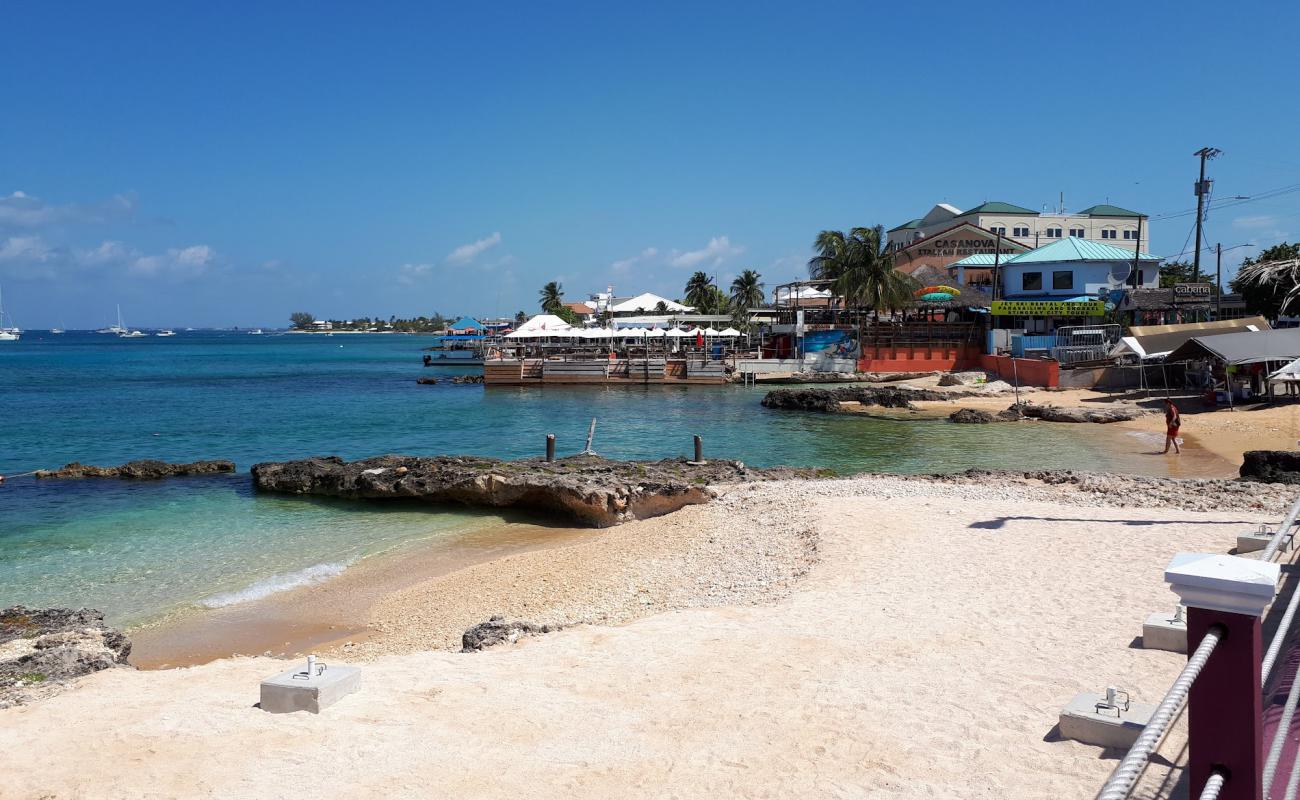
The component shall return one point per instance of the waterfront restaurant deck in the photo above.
(573, 368)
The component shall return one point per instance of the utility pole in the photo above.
(1202, 190)
(1218, 281)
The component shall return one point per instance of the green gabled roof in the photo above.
(1107, 210)
(1072, 248)
(995, 207)
(916, 223)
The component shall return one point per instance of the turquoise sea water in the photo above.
(140, 549)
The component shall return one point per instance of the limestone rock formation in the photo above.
(43, 649)
(497, 631)
(1050, 413)
(142, 469)
(1271, 466)
(586, 489)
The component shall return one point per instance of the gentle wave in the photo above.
(276, 583)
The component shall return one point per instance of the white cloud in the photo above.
(29, 249)
(186, 262)
(624, 264)
(718, 249)
(410, 274)
(22, 210)
(468, 252)
(108, 252)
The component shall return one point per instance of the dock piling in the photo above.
(550, 447)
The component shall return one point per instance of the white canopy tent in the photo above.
(729, 332)
(1288, 374)
(647, 302)
(541, 327)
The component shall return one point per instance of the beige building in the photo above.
(947, 234)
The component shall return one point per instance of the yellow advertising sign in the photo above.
(1047, 308)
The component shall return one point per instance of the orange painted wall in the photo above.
(1029, 371)
(919, 358)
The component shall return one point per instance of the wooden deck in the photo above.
(620, 371)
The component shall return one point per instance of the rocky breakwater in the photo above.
(144, 469)
(833, 400)
(41, 650)
(589, 490)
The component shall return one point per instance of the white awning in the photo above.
(729, 332)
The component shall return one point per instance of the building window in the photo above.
(1108, 233)
(1031, 282)
(1053, 233)
(1133, 235)
(1063, 279)
(1022, 233)
(1077, 232)
(1000, 230)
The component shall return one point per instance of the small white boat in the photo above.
(7, 334)
(56, 330)
(255, 332)
(165, 333)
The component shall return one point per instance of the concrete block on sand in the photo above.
(1162, 631)
(1082, 721)
(1250, 542)
(295, 690)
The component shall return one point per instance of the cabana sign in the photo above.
(1047, 308)
(1187, 291)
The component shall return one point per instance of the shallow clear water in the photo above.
(140, 549)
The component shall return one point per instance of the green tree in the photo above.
(1270, 283)
(661, 307)
(552, 295)
(301, 320)
(520, 319)
(860, 271)
(699, 291)
(747, 290)
(567, 314)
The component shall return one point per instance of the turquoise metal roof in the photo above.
(916, 223)
(465, 323)
(982, 260)
(1073, 248)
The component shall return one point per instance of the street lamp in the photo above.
(1218, 277)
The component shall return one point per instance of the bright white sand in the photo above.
(926, 654)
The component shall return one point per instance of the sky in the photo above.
(218, 164)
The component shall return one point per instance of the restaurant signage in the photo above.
(1047, 308)
(1190, 291)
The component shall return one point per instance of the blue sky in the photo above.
(227, 164)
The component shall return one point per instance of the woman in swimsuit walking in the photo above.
(1173, 421)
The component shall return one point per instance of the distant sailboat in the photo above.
(123, 332)
(7, 334)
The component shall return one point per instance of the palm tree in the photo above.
(661, 307)
(699, 291)
(746, 290)
(552, 297)
(859, 269)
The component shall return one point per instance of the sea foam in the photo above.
(276, 583)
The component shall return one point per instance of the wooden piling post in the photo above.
(550, 447)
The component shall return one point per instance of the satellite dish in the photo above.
(1117, 281)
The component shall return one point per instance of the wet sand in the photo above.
(336, 611)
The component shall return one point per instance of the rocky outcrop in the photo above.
(964, 378)
(971, 416)
(589, 490)
(144, 469)
(1050, 413)
(43, 649)
(1271, 466)
(831, 400)
(497, 631)
(467, 379)
(423, 381)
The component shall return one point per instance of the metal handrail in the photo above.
(1279, 636)
(1283, 531)
(1126, 774)
(1280, 736)
(1213, 785)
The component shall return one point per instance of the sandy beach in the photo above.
(844, 638)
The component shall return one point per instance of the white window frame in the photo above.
(1021, 232)
(1053, 233)
(1078, 233)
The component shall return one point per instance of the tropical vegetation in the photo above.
(747, 290)
(1270, 283)
(860, 271)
